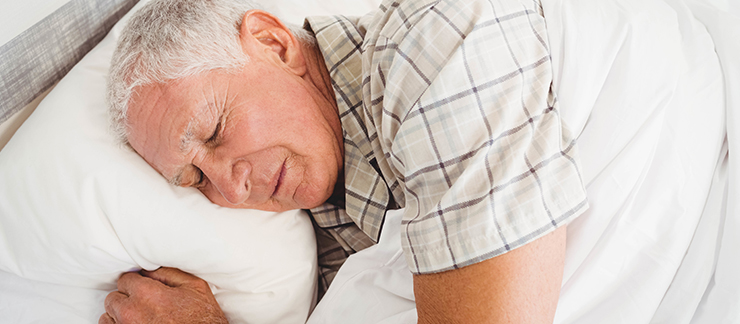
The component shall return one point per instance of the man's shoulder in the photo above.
(394, 16)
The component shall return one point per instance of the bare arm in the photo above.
(521, 286)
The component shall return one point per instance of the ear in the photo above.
(264, 35)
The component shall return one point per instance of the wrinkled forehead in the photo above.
(161, 120)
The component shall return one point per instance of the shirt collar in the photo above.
(367, 196)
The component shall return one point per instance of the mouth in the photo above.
(281, 177)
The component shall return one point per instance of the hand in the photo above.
(166, 295)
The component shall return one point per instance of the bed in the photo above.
(651, 86)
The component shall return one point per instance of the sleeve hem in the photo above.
(494, 250)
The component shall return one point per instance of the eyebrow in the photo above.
(177, 179)
(185, 141)
(187, 137)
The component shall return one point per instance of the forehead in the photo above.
(160, 117)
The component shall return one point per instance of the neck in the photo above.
(318, 74)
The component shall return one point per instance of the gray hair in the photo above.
(172, 39)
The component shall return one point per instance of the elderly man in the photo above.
(442, 108)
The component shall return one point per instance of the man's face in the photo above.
(258, 139)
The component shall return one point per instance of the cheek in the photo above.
(319, 185)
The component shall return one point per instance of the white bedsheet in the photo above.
(644, 84)
(721, 301)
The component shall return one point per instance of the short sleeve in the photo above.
(472, 128)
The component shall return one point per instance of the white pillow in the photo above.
(78, 210)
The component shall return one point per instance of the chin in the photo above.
(311, 197)
(311, 202)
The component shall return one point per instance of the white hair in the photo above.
(172, 39)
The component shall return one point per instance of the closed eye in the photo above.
(214, 137)
(191, 176)
(201, 182)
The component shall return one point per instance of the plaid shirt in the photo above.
(448, 111)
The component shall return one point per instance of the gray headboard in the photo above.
(40, 56)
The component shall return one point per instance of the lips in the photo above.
(281, 177)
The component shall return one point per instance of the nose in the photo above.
(230, 178)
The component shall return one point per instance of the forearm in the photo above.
(521, 286)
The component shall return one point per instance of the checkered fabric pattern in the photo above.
(448, 111)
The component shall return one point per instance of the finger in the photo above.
(113, 303)
(174, 277)
(106, 319)
(129, 282)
